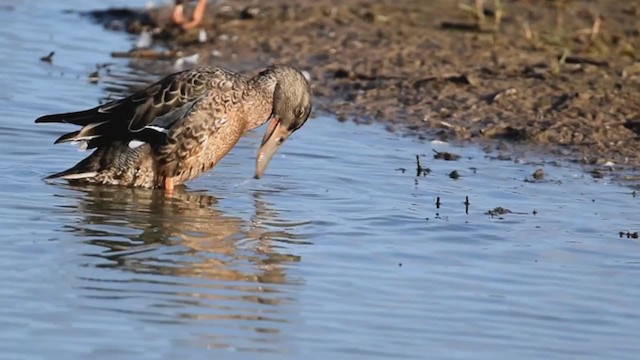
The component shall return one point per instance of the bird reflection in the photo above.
(228, 259)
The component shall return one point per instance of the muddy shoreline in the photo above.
(562, 77)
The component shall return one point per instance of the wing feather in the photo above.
(160, 105)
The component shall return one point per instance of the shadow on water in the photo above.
(200, 262)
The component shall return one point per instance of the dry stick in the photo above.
(418, 166)
(527, 30)
(48, 58)
(592, 31)
(596, 27)
(498, 15)
(480, 13)
(559, 7)
(556, 67)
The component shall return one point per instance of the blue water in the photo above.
(335, 253)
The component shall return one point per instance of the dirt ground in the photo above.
(560, 76)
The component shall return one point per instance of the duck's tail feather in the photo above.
(73, 176)
(88, 132)
(67, 137)
(81, 118)
(86, 168)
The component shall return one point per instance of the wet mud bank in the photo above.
(561, 76)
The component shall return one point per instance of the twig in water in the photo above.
(48, 58)
(421, 171)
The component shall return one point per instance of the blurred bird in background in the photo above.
(177, 15)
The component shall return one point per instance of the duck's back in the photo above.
(132, 132)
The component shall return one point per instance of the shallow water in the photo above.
(336, 252)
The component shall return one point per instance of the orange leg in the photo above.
(198, 14)
(168, 184)
(177, 15)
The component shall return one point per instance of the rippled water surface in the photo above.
(336, 253)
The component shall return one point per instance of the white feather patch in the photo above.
(94, 125)
(81, 138)
(133, 144)
(157, 128)
(163, 123)
(79, 176)
(82, 145)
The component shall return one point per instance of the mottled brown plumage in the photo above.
(181, 126)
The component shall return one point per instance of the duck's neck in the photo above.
(260, 101)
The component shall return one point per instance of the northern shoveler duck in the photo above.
(181, 126)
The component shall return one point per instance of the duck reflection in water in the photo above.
(225, 259)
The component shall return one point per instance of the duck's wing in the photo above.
(144, 115)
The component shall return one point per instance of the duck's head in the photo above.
(291, 108)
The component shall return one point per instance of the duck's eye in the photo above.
(301, 115)
(300, 112)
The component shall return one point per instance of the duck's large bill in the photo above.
(275, 135)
